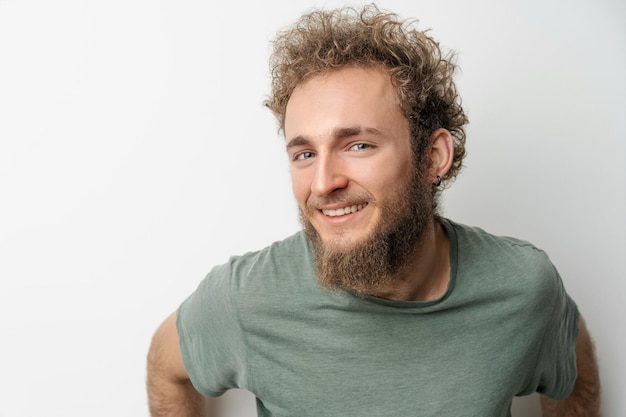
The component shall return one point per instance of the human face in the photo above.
(349, 146)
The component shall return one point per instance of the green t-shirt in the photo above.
(504, 327)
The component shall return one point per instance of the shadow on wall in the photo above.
(240, 403)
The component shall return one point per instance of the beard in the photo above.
(371, 265)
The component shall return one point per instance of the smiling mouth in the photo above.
(344, 210)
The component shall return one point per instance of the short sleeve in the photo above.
(210, 335)
(555, 373)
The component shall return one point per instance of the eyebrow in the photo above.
(297, 141)
(339, 133)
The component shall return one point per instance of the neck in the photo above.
(426, 275)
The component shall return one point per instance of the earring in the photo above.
(438, 183)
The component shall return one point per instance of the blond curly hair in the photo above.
(324, 40)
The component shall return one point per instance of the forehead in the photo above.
(348, 96)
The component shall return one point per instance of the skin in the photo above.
(584, 401)
(349, 145)
(170, 392)
(346, 136)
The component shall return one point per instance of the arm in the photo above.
(584, 400)
(170, 392)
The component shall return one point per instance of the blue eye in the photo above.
(304, 155)
(360, 146)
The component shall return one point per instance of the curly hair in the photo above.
(324, 40)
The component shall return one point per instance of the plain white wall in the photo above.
(135, 154)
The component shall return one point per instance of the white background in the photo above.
(135, 154)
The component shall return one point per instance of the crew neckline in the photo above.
(453, 239)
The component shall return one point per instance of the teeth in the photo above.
(343, 210)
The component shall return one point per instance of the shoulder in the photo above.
(255, 276)
(508, 262)
(282, 261)
(476, 242)
(286, 254)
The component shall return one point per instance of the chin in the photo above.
(342, 240)
(343, 243)
(337, 240)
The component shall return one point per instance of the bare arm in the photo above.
(584, 401)
(170, 392)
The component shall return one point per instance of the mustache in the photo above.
(357, 197)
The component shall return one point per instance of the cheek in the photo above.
(300, 188)
(390, 175)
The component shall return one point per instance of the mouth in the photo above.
(344, 210)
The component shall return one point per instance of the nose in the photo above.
(329, 175)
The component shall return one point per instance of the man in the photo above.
(381, 306)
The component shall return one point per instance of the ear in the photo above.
(440, 154)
